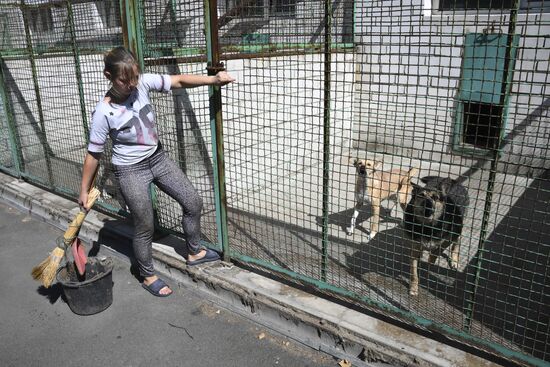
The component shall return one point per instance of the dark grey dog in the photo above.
(434, 219)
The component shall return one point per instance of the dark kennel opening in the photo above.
(482, 124)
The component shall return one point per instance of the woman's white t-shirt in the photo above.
(131, 124)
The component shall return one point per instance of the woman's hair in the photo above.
(120, 63)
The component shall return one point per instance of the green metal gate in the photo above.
(456, 89)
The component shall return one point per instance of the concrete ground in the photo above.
(186, 329)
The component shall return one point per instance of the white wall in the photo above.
(410, 61)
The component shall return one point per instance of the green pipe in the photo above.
(43, 139)
(134, 32)
(13, 136)
(326, 137)
(216, 123)
(471, 288)
(50, 53)
(188, 54)
(78, 71)
(6, 36)
(173, 21)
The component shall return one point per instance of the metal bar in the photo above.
(216, 123)
(78, 70)
(172, 7)
(124, 23)
(133, 40)
(15, 143)
(50, 53)
(496, 149)
(49, 3)
(43, 139)
(6, 35)
(196, 54)
(133, 24)
(326, 137)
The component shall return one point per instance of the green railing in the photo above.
(453, 88)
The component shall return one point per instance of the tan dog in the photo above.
(374, 186)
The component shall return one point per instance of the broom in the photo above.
(46, 270)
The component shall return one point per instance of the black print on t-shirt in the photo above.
(146, 132)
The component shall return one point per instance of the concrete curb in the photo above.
(311, 320)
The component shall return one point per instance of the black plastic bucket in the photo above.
(92, 294)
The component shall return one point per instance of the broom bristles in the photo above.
(39, 269)
(48, 274)
(47, 269)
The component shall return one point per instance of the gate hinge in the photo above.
(213, 70)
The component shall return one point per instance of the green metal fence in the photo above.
(454, 88)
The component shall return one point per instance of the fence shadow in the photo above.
(513, 290)
(342, 219)
(514, 283)
(110, 237)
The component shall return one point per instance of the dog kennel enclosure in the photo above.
(456, 88)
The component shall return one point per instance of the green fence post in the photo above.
(326, 135)
(131, 18)
(43, 139)
(471, 289)
(173, 20)
(78, 70)
(133, 39)
(13, 136)
(216, 123)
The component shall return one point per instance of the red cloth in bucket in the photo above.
(79, 256)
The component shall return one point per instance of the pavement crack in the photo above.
(184, 329)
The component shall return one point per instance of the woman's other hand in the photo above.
(223, 78)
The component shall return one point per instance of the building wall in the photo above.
(407, 60)
(409, 69)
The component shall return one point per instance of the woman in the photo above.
(126, 115)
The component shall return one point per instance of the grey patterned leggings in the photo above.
(135, 183)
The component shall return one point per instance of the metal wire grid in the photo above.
(175, 43)
(6, 151)
(397, 95)
(273, 120)
(401, 92)
(51, 56)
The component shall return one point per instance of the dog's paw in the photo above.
(372, 234)
(349, 231)
(413, 291)
(453, 264)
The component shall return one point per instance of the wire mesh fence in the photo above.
(345, 123)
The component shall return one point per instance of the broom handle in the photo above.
(71, 232)
(74, 227)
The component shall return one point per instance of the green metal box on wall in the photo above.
(483, 68)
(484, 72)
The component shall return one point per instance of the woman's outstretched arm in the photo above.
(190, 80)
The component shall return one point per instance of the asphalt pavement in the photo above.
(186, 329)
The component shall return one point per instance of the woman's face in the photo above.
(124, 84)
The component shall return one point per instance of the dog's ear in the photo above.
(416, 187)
(413, 172)
(371, 164)
(404, 194)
